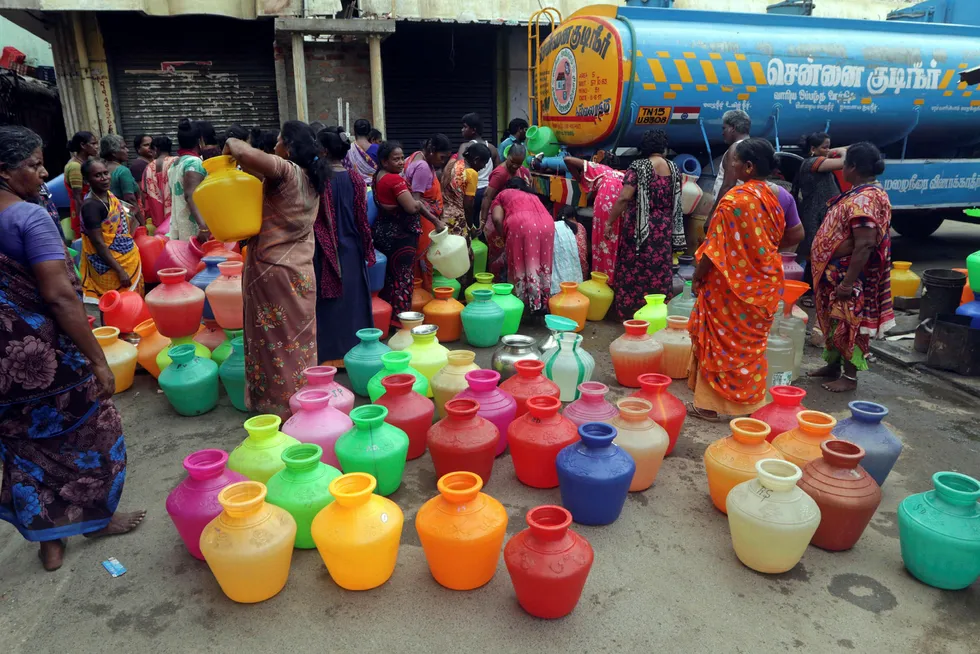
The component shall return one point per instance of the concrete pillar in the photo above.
(91, 113)
(282, 89)
(377, 85)
(299, 78)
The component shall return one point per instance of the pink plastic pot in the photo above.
(592, 406)
(497, 406)
(181, 254)
(194, 503)
(321, 378)
(319, 423)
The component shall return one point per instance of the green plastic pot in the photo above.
(374, 447)
(479, 256)
(395, 363)
(483, 319)
(302, 488)
(224, 349)
(513, 306)
(232, 374)
(190, 382)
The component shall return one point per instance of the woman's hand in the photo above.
(844, 291)
(124, 281)
(105, 379)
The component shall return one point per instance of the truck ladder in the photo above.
(534, 28)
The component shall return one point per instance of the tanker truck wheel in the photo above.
(917, 224)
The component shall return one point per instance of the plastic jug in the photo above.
(568, 366)
(120, 355)
(548, 563)
(682, 305)
(642, 438)
(654, 312)
(176, 306)
(259, 456)
(318, 422)
(224, 294)
(428, 355)
(230, 200)
(483, 319)
(536, 439)
(463, 440)
(528, 383)
(302, 488)
(150, 345)
(570, 303)
(676, 342)
(793, 328)
(249, 546)
(191, 383)
(635, 353)
(731, 461)
(123, 310)
(449, 254)
(375, 447)
(462, 532)
(779, 358)
(194, 502)
(443, 312)
(408, 411)
(496, 405)
(905, 283)
(513, 306)
(770, 519)
(599, 294)
(358, 533)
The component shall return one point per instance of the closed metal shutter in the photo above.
(435, 73)
(202, 67)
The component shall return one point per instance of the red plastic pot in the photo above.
(535, 440)
(529, 382)
(407, 410)
(667, 411)
(150, 248)
(123, 310)
(381, 312)
(846, 494)
(176, 305)
(217, 249)
(780, 414)
(548, 563)
(463, 441)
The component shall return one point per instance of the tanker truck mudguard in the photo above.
(607, 74)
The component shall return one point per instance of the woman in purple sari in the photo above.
(61, 438)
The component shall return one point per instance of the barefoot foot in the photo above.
(52, 554)
(842, 385)
(829, 370)
(119, 524)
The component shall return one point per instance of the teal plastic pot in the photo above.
(396, 363)
(302, 488)
(513, 306)
(190, 382)
(483, 319)
(939, 532)
(375, 447)
(232, 374)
(363, 361)
(222, 351)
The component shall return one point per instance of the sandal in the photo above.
(696, 413)
(807, 302)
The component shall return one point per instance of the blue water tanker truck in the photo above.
(606, 74)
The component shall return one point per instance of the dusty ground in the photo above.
(665, 574)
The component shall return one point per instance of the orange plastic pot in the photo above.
(420, 296)
(730, 461)
(444, 312)
(462, 532)
(151, 344)
(570, 303)
(802, 445)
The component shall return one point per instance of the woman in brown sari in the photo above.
(279, 285)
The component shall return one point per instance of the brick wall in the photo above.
(333, 70)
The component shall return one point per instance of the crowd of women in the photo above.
(306, 290)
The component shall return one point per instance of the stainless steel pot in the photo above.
(513, 348)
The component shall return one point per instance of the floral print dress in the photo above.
(606, 183)
(279, 289)
(645, 269)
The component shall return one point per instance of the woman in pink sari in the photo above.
(156, 189)
(605, 184)
(527, 231)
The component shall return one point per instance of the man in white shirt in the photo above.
(735, 126)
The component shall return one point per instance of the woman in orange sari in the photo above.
(738, 282)
(851, 260)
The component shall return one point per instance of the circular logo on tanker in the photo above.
(563, 81)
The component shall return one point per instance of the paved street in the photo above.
(665, 573)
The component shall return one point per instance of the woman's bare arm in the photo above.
(625, 196)
(252, 159)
